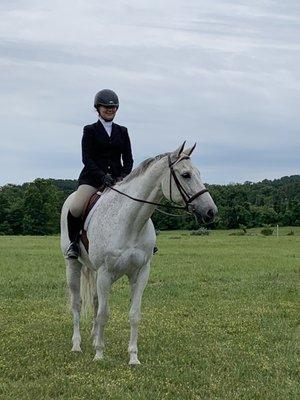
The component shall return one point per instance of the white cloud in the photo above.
(221, 73)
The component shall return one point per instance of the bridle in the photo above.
(185, 196)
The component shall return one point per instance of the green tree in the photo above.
(41, 208)
(11, 210)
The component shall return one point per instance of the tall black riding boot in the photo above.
(74, 228)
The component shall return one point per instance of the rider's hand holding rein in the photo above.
(106, 155)
(108, 180)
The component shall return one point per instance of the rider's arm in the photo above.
(87, 145)
(126, 155)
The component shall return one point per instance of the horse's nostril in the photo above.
(210, 213)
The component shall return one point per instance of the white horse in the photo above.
(122, 237)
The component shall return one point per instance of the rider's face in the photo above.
(108, 113)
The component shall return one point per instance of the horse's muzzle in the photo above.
(206, 217)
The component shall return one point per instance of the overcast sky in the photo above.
(224, 74)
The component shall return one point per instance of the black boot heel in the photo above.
(73, 251)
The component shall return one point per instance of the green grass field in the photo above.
(220, 321)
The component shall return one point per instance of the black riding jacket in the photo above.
(102, 154)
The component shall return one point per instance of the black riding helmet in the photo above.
(106, 97)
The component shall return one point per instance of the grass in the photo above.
(220, 321)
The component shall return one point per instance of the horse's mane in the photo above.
(143, 166)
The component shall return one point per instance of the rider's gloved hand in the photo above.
(108, 180)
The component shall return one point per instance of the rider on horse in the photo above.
(104, 145)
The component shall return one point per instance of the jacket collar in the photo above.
(102, 129)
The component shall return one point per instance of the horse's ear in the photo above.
(176, 154)
(189, 151)
(178, 151)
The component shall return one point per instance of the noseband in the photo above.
(185, 196)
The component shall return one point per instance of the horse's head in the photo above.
(182, 184)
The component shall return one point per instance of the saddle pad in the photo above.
(89, 209)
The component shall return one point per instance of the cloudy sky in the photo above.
(224, 74)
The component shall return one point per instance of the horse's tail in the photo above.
(88, 289)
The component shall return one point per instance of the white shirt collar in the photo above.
(107, 125)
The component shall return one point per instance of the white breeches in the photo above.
(82, 194)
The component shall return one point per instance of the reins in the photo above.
(148, 202)
(185, 196)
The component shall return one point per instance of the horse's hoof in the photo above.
(76, 349)
(98, 357)
(134, 362)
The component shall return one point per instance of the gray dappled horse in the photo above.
(121, 238)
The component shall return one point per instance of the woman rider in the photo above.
(104, 144)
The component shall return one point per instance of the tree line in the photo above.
(34, 208)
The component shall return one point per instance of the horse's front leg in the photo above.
(103, 289)
(138, 283)
(73, 278)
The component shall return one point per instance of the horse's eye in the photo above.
(186, 175)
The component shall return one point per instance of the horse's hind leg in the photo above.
(95, 308)
(73, 278)
(103, 290)
(138, 284)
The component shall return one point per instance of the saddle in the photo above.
(87, 208)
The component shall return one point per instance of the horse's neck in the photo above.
(147, 187)
(148, 184)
